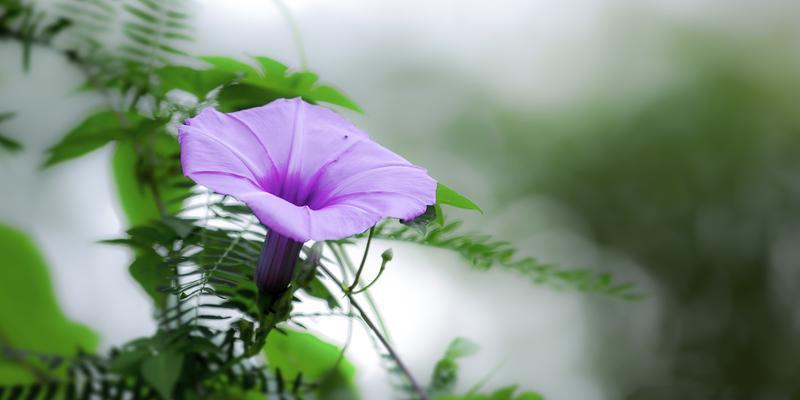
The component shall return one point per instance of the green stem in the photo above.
(370, 300)
(363, 261)
(364, 317)
(380, 272)
(298, 40)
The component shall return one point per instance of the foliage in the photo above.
(145, 174)
(95, 131)
(6, 142)
(484, 252)
(506, 393)
(25, 291)
(445, 195)
(194, 252)
(243, 86)
(445, 373)
(445, 377)
(89, 22)
(21, 21)
(298, 356)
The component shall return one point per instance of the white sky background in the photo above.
(535, 53)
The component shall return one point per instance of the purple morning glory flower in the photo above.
(305, 172)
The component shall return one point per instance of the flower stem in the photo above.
(363, 261)
(380, 272)
(414, 384)
(344, 260)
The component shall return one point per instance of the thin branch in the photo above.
(416, 386)
(342, 255)
(387, 256)
(363, 261)
(298, 40)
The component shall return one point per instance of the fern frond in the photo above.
(154, 32)
(90, 20)
(29, 25)
(484, 252)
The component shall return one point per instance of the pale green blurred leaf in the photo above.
(31, 317)
(5, 141)
(505, 393)
(230, 65)
(461, 347)
(299, 352)
(445, 374)
(92, 133)
(9, 144)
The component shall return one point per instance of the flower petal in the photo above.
(373, 178)
(302, 139)
(232, 141)
(212, 164)
(305, 171)
(301, 223)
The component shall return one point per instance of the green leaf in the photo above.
(297, 353)
(230, 65)
(420, 223)
(30, 315)
(147, 269)
(272, 67)
(485, 252)
(129, 362)
(317, 289)
(505, 393)
(141, 14)
(241, 96)
(136, 196)
(9, 144)
(461, 347)
(162, 372)
(529, 396)
(329, 94)
(5, 141)
(94, 132)
(137, 200)
(273, 81)
(194, 81)
(446, 195)
(445, 374)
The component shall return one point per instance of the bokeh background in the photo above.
(658, 140)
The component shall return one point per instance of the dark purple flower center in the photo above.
(276, 263)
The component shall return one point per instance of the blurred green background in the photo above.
(656, 140)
